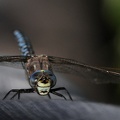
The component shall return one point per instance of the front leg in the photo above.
(60, 95)
(18, 92)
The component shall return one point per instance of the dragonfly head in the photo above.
(43, 85)
(42, 81)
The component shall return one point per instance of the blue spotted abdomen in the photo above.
(23, 43)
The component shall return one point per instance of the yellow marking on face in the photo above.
(42, 70)
(39, 83)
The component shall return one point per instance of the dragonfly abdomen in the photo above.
(23, 43)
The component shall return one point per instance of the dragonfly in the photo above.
(40, 69)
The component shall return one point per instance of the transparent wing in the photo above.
(17, 65)
(87, 72)
(13, 61)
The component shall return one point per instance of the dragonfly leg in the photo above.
(49, 96)
(62, 88)
(7, 94)
(58, 94)
(18, 92)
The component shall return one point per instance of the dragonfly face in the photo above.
(42, 81)
(43, 85)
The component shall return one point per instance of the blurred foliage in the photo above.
(111, 13)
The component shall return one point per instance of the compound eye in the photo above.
(50, 74)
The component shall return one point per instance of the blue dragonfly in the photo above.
(40, 70)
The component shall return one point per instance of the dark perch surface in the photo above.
(57, 110)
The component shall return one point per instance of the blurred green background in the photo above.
(111, 16)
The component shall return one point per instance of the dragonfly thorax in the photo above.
(35, 63)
